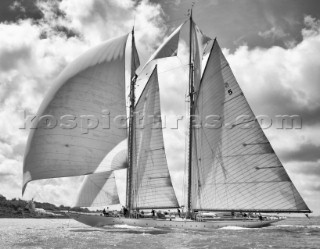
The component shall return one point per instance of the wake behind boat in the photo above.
(231, 165)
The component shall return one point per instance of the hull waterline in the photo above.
(101, 221)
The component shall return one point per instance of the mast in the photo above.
(191, 92)
(131, 123)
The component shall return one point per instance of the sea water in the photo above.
(65, 233)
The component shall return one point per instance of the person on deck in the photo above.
(179, 214)
(153, 212)
(125, 211)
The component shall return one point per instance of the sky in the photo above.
(272, 46)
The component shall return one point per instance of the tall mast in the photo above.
(131, 124)
(191, 92)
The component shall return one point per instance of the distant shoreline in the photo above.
(21, 209)
(34, 217)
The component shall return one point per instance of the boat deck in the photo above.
(101, 221)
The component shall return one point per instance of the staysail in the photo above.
(98, 190)
(234, 166)
(151, 182)
(70, 140)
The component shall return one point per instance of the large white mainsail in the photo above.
(151, 182)
(234, 166)
(93, 85)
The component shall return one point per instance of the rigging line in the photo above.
(93, 182)
(234, 97)
(257, 143)
(252, 193)
(270, 167)
(160, 72)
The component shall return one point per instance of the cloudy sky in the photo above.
(273, 47)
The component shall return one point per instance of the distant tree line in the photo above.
(16, 205)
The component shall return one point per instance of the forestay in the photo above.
(151, 182)
(91, 88)
(234, 166)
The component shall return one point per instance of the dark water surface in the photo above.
(54, 233)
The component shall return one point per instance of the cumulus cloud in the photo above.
(286, 79)
(274, 33)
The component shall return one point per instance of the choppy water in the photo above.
(54, 233)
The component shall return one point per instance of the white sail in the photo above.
(151, 181)
(234, 166)
(94, 86)
(98, 190)
(116, 159)
(169, 47)
(199, 42)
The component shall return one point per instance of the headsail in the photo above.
(152, 186)
(67, 149)
(116, 159)
(234, 166)
(98, 190)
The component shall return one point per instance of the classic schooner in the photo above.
(231, 164)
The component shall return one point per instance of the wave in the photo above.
(235, 228)
(300, 226)
(128, 227)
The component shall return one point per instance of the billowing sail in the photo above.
(98, 190)
(234, 166)
(151, 181)
(116, 159)
(70, 140)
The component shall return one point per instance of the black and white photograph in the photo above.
(160, 124)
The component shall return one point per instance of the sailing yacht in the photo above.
(231, 164)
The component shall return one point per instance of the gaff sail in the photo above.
(234, 166)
